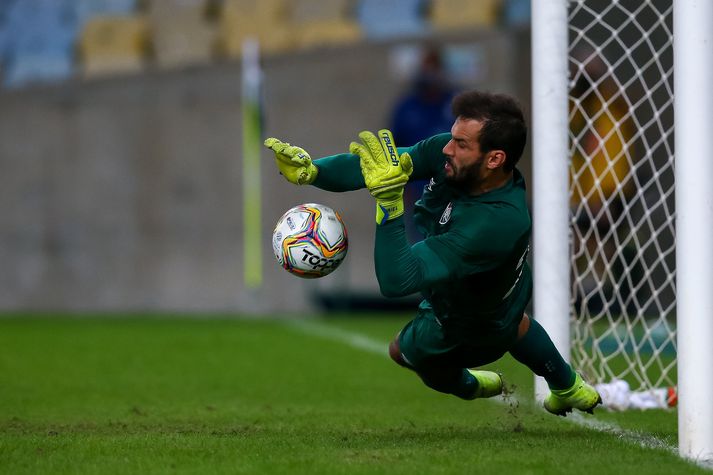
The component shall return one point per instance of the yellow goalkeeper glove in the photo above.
(294, 163)
(384, 172)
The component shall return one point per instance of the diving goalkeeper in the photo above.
(471, 268)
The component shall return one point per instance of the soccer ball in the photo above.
(310, 241)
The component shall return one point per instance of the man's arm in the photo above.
(402, 269)
(339, 173)
(342, 172)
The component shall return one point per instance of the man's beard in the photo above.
(466, 178)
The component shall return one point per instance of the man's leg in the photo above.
(461, 382)
(535, 349)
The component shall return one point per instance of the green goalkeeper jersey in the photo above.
(471, 267)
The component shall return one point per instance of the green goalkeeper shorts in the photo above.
(426, 343)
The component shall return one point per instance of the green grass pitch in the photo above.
(245, 396)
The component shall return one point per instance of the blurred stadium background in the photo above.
(122, 168)
(121, 138)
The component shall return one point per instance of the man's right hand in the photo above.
(294, 163)
(385, 172)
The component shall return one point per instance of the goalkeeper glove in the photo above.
(384, 172)
(294, 163)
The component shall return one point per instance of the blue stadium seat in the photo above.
(37, 37)
(87, 9)
(384, 19)
(4, 34)
(38, 41)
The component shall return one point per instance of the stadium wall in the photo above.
(123, 194)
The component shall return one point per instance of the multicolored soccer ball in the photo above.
(310, 240)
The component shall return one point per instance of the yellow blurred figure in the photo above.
(602, 129)
(602, 132)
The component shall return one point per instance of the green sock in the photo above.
(537, 352)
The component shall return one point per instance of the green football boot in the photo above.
(489, 383)
(580, 396)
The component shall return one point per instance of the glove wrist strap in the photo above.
(388, 210)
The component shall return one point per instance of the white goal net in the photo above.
(622, 191)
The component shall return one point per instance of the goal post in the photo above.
(622, 239)
(550, 175)
(693, 67)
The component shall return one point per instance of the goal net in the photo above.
(622, 191)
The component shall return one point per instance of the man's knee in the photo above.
(523, 327)
(395, 352)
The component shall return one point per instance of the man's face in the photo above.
(465, 164)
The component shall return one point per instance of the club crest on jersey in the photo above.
(446, 214)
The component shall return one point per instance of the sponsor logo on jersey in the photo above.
(386, 140)
(429, 187)
(446, 216)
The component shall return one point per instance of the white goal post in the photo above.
(623, 278)
(693, 104)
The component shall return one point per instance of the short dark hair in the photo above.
(504, 126)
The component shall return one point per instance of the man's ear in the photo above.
(495, 159)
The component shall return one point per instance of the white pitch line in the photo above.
(368, 344)
(643, 440)
(353, 339)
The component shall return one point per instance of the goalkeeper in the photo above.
(471, 268)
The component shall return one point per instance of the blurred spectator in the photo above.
(602, 131)
(423, 112)
(426, 109)
(516, 13)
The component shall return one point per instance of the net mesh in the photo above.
(621, 191)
